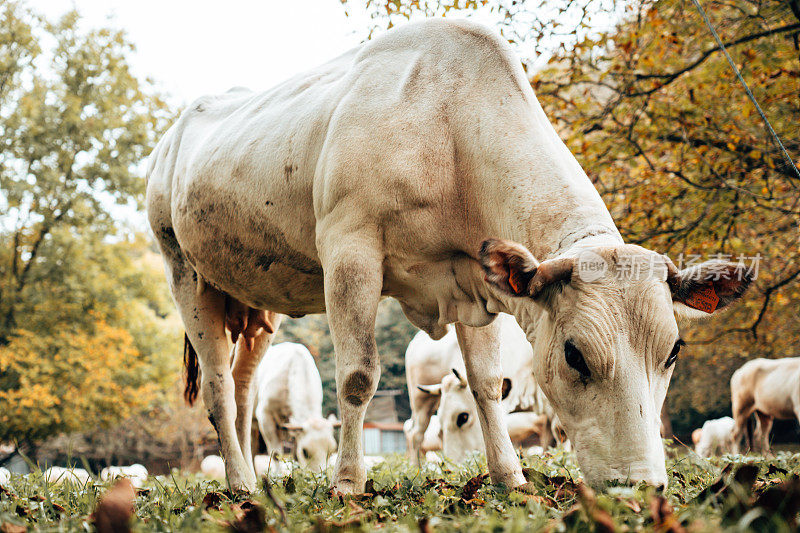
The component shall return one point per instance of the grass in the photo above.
(732, 493)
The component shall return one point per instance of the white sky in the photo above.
(192, 48)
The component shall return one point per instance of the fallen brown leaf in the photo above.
(603, 521)
(8, 527)
(212, 500)
(664, 519)
(250, 518)
(424, 526)
(115, 508)
(471, 487)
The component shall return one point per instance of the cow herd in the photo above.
(766, 388)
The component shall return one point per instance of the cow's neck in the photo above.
(553, 214)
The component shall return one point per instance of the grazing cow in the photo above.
(458, 416)
(57, 475)
(289, 405)
(431, 440)
(428, 361)
(136, 473)
(715, 438)
(770, 388)
(419, 166)
(697, 434)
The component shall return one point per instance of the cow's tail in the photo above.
(192, 366)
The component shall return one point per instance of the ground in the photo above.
(732, 493)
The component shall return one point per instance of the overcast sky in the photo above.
(195, 47)
(198, 47)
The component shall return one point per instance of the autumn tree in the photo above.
(82, 323)
(644, 97)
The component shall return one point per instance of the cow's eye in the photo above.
(462, 419)
(306, 454)
(575, 359)
(673, 356)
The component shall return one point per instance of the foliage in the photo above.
(646, 101)
(731, 494)
(83, 310)
(86, 378)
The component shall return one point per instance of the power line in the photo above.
(746, 88)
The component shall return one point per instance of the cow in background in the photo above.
(715, 437)
(429, 361)
(770, 388)
(289, 405)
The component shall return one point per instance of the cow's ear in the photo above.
(506, 388)
(508, 265)
(699, 291)
(433, 390)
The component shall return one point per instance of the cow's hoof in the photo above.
(245, 486)
(346, 487)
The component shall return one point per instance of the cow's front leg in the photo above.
(245, 362)
(480, 348)
(353, 281)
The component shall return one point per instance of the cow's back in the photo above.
(245, 181)
(288, 383)
(772, 384)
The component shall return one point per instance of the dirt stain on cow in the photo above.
(357, 388)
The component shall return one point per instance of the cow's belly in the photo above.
(260, 252)
(774, 394)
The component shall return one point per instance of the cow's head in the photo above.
(458, 415)
(315, 442)
(605, 340)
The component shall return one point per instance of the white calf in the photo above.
(429, 361)
(716, 437)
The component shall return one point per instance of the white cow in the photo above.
(431, 440)
(716, 437)
(136, 473)
(57, 475)
(458, 415)
(428, 361)
(289, 405)
(768, 388)
(420, 166)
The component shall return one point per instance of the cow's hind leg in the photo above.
(480, 347)
(764, 429)
(353, 280)
(245, 362)
(202, 309)
(742, 407)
